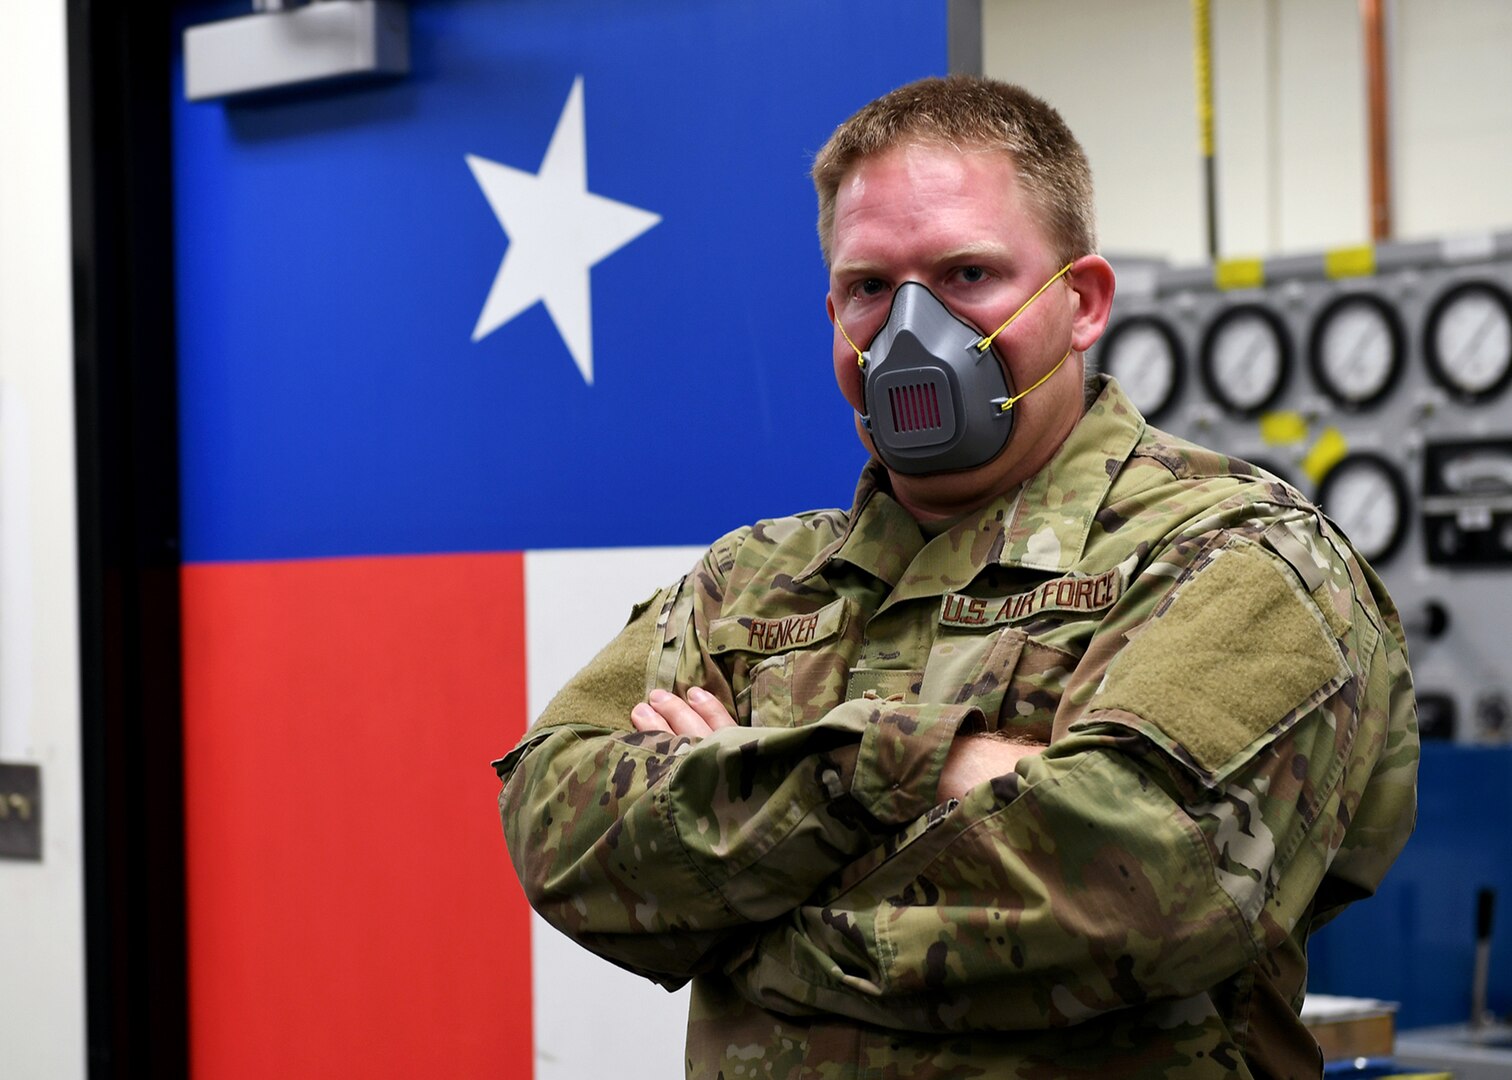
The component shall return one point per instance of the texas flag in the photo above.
(469, 363)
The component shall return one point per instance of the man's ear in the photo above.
(1092, 281)
(829, 307)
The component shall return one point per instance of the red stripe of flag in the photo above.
(351, 909)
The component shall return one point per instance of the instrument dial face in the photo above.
(1468, 340)
(1366, 495)
(1356, 350)
(1144, 354)
(1245, 358)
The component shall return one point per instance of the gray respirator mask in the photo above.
(938, 397)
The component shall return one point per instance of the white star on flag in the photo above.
(557, 231)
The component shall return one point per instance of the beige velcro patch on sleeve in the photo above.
(613, 683)
(1234, 659)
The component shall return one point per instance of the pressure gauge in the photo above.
(1245, 358)
(1367, 497)
(1144, 354)
(1356, 349)
(1468, 340)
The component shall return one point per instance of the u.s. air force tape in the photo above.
(1060, 594)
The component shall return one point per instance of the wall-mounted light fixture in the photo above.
(288, 43)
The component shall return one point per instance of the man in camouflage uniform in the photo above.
(1043, 768)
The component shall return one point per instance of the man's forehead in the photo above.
(937, 171)
(907, 180)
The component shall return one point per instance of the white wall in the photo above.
(1453, 115)
(1291, 110)
(569, 982)
(41, 904)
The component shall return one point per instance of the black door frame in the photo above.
(126, 438)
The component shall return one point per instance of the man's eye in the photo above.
(870, 287)
(972, 274)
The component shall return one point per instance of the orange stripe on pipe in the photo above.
(1380, 133)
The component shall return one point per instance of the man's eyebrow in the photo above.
(855, 268)
(968, 253)
(982, 252)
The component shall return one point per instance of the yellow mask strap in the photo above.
(1005, 406)
(986, 343)
(860, 359)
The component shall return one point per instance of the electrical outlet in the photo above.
(20, 811)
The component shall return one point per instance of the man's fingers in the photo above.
(710, 708)
(678, 714)
(645, 718)
(701, 714)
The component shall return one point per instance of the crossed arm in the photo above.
(815, 895)
(879, 864)
(1074, 886)
(970, 761)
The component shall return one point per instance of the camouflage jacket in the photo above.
(1231, 757)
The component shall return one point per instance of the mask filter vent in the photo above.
(915, 407)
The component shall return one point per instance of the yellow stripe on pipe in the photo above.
(1350, 262)
(1202, 46)
(1239, 273)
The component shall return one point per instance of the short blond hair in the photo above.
(968, 111)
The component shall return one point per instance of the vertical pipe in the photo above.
(1275, 196)
(963, 37)
(1202, 28)
(1375, 75)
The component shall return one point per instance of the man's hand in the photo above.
(975, 759)
(701, 714)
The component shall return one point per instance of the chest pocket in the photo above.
(789, 670)
(1015, 680)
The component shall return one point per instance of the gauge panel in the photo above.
(1356, 350)
(1408, 359)
(1467, 340)
(1245, 358)
(1366, 495)
(1145, 355)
